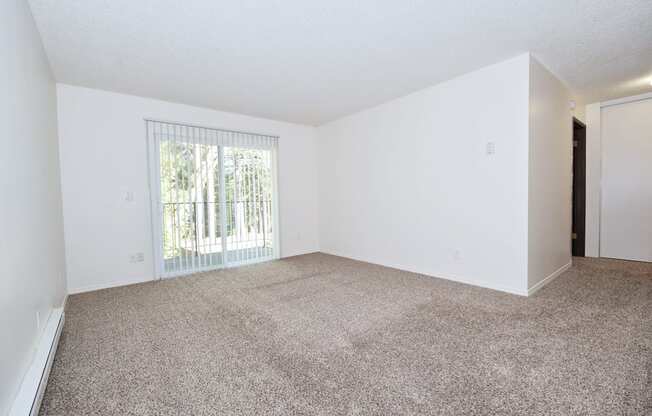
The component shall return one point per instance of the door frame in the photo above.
(156, 207)
(597, 126)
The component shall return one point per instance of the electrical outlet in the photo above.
(457, 255)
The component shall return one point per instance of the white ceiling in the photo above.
(314, 61)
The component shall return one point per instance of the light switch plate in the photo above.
(137, 258)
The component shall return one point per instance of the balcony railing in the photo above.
(196, 226)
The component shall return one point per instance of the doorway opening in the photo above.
(579, 188)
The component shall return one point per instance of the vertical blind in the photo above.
(213, 197)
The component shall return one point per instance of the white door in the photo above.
(626, 215)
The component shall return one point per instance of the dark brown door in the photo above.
(579, 187)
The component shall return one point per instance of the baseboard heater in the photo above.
(31, 391)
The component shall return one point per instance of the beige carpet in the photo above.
(322, 335)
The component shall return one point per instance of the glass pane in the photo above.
(248, 192)
(190, 189)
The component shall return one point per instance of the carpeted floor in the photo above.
(323, 335)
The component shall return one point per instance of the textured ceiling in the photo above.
(314, 61)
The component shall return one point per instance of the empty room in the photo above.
(326, 207)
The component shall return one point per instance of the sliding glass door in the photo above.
(213, 197)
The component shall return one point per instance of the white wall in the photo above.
(103, 155)
(408, 184)
(32, 277)
(579, 112)
(550, 176)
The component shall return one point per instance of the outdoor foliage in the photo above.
(191, 194)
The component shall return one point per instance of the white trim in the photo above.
(155, 197)
(91, 288)
(33, 386)
(625, 100)
(473, 282)
(549, 279)
(302, 253)
(593, 180)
